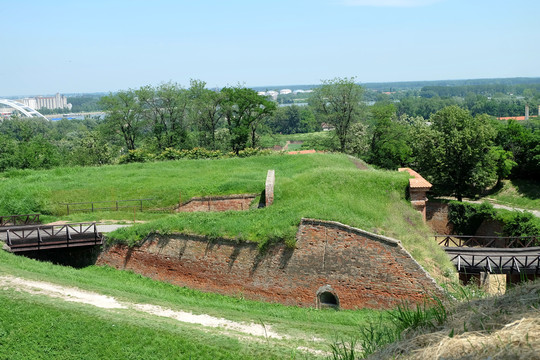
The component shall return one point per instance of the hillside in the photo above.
(56, 312)
(321, 186)
(495, 327)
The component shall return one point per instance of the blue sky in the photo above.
(91, 46)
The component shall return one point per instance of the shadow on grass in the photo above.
(527, 188)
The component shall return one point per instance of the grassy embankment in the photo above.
(322, 140)
(322, 186)
(36, 326)
(522, 194)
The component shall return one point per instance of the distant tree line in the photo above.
(461, 151)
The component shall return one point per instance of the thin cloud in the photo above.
(390, 3)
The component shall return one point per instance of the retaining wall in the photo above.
(218, 203)
(363, 270)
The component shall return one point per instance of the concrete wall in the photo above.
(218, 203)
(362, 269)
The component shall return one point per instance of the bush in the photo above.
(467, 218)
(519, 224)
(137, 155)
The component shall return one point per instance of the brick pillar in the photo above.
(418, 188)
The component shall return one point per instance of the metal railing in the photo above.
(116, 205)
(487, 241)
(53, 236)
(497, 264)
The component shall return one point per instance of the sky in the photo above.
(102, 46)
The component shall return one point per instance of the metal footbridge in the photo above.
(44, 237)
(494, 255)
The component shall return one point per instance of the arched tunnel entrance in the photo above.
(327, 298)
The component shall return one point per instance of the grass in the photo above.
(35, 326)
(492, 327)
(524, 194)
(322, 140)
(322, 186)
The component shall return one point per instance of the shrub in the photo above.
(137, 155)
(467, 218)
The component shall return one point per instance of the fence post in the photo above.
(141, 205)
(116, 205)
(92, 207)
(8, 238)
(67, 208)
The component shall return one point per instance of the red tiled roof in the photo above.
(418, 182)
(512, 118)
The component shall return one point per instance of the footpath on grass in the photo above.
(224, 326)
(495, 205)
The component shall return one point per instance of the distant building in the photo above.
(285, 91)
(48, 102)
(327, 127)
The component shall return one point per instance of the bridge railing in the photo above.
(14, 220)
(113, 205)
(48, 235)
(497, 264)
(487, 241)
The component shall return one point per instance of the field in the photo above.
(322, 186)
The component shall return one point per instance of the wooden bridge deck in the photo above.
(44, 237)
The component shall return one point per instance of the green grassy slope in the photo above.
(323, 186)
(35, 326)
(518, 193)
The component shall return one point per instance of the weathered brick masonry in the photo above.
(362, 269)
(218, 203)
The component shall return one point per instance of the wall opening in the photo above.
(327, 298)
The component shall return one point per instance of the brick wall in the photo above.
(218, 203)
(437, 217)
(362, 269)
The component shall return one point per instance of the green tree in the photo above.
(390, 144)
(165, 107)
(244, 110)
(206, 112)
(338, 102)
(123, 116)
(455, 152)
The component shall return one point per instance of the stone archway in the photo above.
(327, 298)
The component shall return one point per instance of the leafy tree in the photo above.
(504, 161)
(390, 143)
(91, 149)
(338, 102)
(165, 107)
(206, 112)
(8, 152)
(524, 144)
(38, 153)
(454, 152)
(124, 116)
(244, 110)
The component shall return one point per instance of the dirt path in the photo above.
(72, 294)
(108, 302)
(286, 147)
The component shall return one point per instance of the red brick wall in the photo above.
(363, 269)
(218, 203)
(437, 217)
